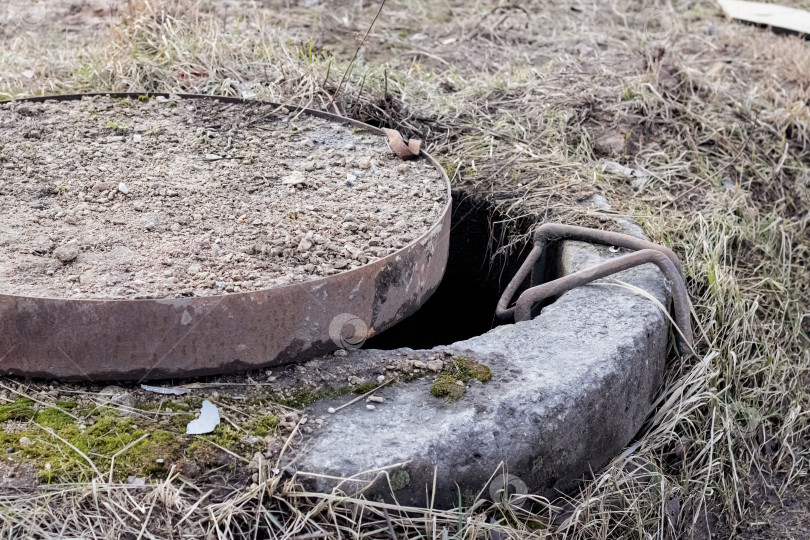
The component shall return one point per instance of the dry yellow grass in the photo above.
(523, 105)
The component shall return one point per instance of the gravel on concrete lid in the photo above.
(171, 197)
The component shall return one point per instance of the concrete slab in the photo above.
(569, 390)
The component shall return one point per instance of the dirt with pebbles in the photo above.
(171, 197)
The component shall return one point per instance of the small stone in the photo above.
(256, 462)
(10, 450)
(136, 138)
(138, 206)
(331, 410)
(364, 163)
(150, 226)
(350, 179)
(381, 379)
(159, 460)
(25, 441)
(122, 187)
(375, 399)
(435, 365)
(305, 245)
(419, 364)
(370, 407)
(293, 179)
(341, 352)
(212, 157)
(41, 244)
(67, 252)
(115, 139)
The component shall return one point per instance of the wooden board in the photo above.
(786, 18)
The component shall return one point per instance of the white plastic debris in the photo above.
(136, 481)
(207, 422)
(174, 391)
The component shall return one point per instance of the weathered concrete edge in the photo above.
(570, 389)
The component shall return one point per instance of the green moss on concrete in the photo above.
(400, 479)
(466, 369)
(452, 382)
(364, 388)
(447, 386)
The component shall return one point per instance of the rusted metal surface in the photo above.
(74, 339)
(647, 252)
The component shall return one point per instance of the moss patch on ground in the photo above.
(21, 409)
(452, 382)
(263, 426)
(54, 444)
(53, 418)
(60, 442)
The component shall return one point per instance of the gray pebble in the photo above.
(67, 252)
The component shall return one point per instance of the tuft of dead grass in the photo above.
(523, 106)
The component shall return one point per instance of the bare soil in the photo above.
(154, 198)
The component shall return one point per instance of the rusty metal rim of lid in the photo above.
(231, 99)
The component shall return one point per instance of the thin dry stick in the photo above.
(357, 51)
(234, 454)
(40, 402)
(90, 461)
(358, 398)
(193, 507)
(124, 449)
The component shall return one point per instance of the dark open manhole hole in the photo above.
(479, 266)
